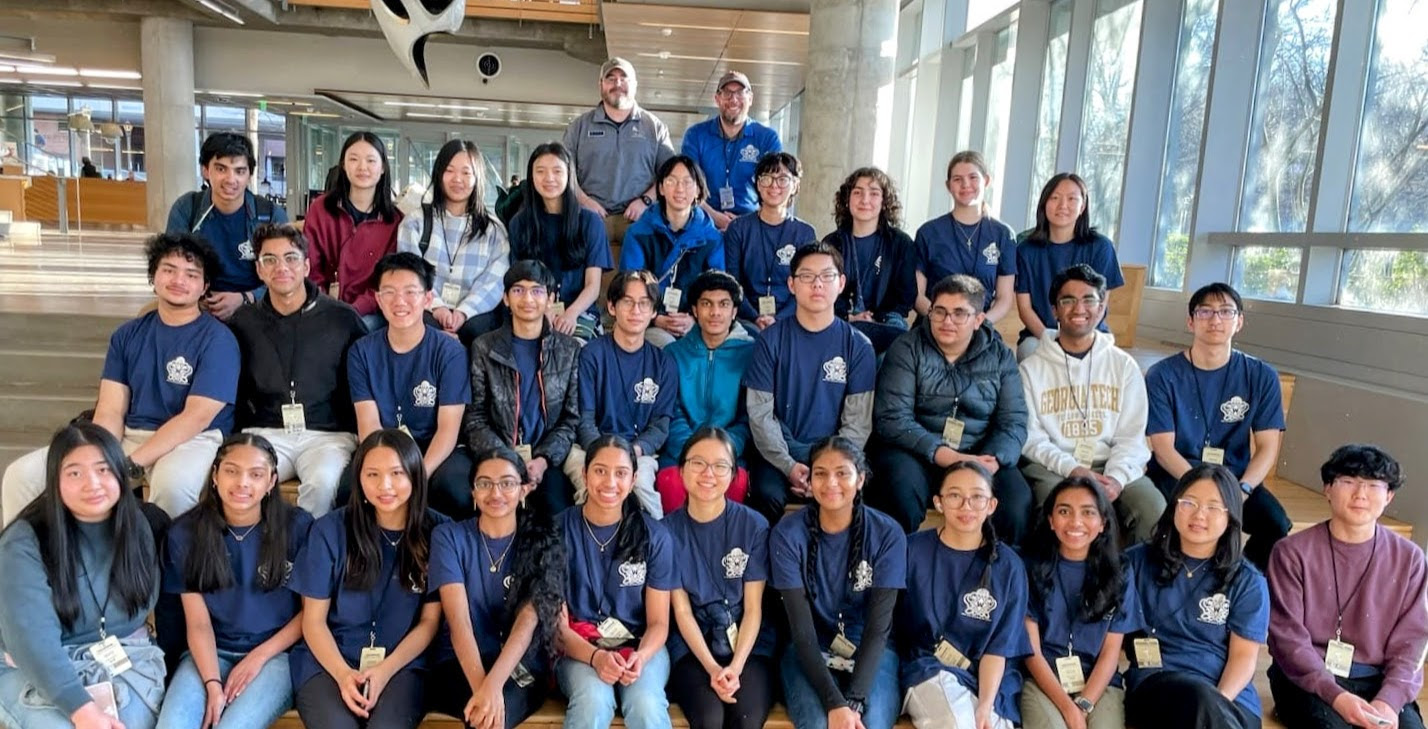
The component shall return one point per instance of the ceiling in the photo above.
(434, 109)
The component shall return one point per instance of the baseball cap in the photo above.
(734, 76)
(620, 63)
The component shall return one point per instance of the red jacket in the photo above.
(346, 253)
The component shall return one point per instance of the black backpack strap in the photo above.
(194, 199)
(426, 221)
(264, 207)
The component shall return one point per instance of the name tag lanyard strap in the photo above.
(291, 361)
(948, 615)
(1206, 411)
(1072, 610)
(540, 385)
(1075, 399)
(386, 585)
(855, 266)
(707, 566)
(1160, 598)
(600, 578)
(771, 252)
(103, 607)
(1333, 560)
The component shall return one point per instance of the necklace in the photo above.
(496, 563)
(1190, 571)
(598, 543)
(390, 542)
(244, 535)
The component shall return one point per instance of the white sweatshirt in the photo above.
(1062, 409)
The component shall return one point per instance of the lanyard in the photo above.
(1075, 399)
(599, 577)
(1160, 596)
(382, 589)
(290, 362)
(103, 607)
(1206, 411)
(540, 385)
(1333, 560)
(448, 250)
(948, 613)
(771, 252)
(706, 565)
(855, 266)
(1072, 612)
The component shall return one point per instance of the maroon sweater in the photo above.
(348, 253)
(1386, 620)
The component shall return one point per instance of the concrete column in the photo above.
(850, 57)
(250, 130)
(171, 157)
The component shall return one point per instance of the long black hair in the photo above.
(476, 204)
(571, 247)
(538, 570)
(206, 567)
(383, 203)
(988, 550)
(632, 543)
(364, 552)
(134, 575)
(857, 547)
(1105, 585)
(1165, 541)
(1041, 234)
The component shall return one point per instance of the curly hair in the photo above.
(891, 214)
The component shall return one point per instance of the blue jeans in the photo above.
(591, 702)
(22, 709)
(266, 698)
(804, 708)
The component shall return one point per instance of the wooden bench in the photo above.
(1121, 317)
(552, 714)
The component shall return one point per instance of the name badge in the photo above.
(1085, 452)
(294, 421)
(371, 657)
(1147, 652)
(842, 647)
(522, 675)
(595, 133)
(952, 432)
(672, 299)
(726, 197)
(111, 656)
(1069, 673)
(613, 633)
(404, 429)
(949, 656)
(557, 307)
(451, 294)
(524, 451)
(838, 663)
(768, 306)
(1339, 658)
(732, 633)
(102, 694)
(1213, 455)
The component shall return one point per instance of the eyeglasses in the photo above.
(775, 180)
(1227, 313)
(807, 277)
(506, 485)
(641, 305)
(711, 305)
(411, 294)
(722, 469)
(940, 314)
(1090, 302)
(291, 260)
(976, 501)
(1191, 506)
(732, 93)
(521, 291)
(686, 183)
(1354, 484)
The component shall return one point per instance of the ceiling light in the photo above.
(7, 69)
(458, 107)
(49, 82)
(115, 87)
(722, 28)
(665, 55)
(315, 113)
(10, 81)
(107, 73)
(244, 94)
(412, 104)
(666, 32)
(221, 10)
(48, 70)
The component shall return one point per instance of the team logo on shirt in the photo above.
(506, 583)
(424, 395)
(749, 154)
(734, 563)
(979, 604)
(992, 254)
(287, 572)
(835, 370)
(632, 574)
(785, 254)
(245, 251)
(179, 370)
(646, 391)
(1215, 609)
(878, 264)
(1233, 410)
(862, 576)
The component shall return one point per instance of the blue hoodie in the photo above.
(650, 245)
(709, 382)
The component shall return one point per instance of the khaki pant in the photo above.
(941, 702)
(315, 458)
(1038, 712)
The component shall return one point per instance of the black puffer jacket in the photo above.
(918, 390)
(490, 421)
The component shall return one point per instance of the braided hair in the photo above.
(856, 547)
(632, 543)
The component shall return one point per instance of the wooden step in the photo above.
(552, 714)
(1307, 507)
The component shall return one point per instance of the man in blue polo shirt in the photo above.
(812, 376)
(628, 387)
(727, 147)
(225, 214)
(412, 376)
(1208, 403)
(167, 390)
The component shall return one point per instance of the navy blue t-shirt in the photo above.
(527, 354)
(809, 374)
(394, 605)
(237, 259)
(243, 615)
(598, 587)
(569, 281)
(1038, 263)
(459, 557)
(409, 387)
(983, 251)
(162, 365)
(978, 607)
(837, 595)
(1234, 401)
(714, 560)
(1194, 617)
(626, 390)
(1059, 618)
(758, 255)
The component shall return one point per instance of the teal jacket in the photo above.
(709, 394)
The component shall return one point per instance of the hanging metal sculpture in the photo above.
(407, 24)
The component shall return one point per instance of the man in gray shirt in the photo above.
(617, 146)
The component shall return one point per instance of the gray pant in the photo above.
(1037, 711)
(315, 458)
(1138, 507)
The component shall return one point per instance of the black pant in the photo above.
(1168, 700)
(400, 706)
(880, 335)
(449, 693)
(554, 494)
(1264, 519)
(903, 484)
(689, 687)
(769, 489)
(448, 490)
(1298, 708)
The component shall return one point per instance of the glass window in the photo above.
(1284, 138)
(1105, 121)
(1264, 272)
(1391, 179)
(1053, 87)
(999, 106)
(1182, 143)
(964, 104)
(1385, 281)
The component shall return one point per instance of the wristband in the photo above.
(593, 653)
(646, 200)
(207, 681)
